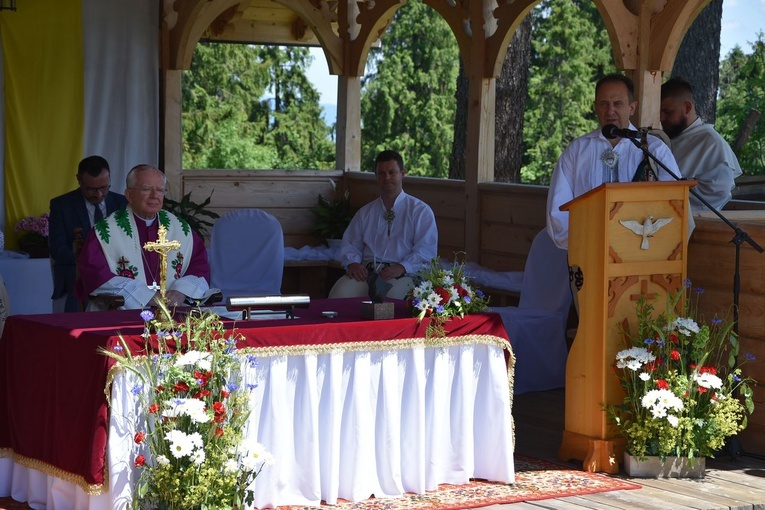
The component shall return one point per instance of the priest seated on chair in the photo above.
(113, 258)
(389, 239)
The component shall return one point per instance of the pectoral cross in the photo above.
(162, 246)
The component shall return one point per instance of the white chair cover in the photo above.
(247, 254)
(537, 326)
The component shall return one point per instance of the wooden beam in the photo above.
(348, 123)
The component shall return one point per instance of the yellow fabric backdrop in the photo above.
(44, 105)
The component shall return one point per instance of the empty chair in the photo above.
(247, 254)
(537, 326)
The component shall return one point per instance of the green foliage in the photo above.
(191, 212)
(570, 50)
(332, 217)
(227, 123)
(742, 88)
(408, 101)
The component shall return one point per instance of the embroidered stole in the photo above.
(118, 235)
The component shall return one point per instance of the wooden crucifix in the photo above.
(162, 246)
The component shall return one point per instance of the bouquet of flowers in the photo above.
(444, 293)
(685, 392)
(34, 234)
(193, 392)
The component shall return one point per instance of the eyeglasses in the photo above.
(147, 190)
(103, 189)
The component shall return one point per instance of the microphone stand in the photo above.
(740, 236)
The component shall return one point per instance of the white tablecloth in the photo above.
(341, 424)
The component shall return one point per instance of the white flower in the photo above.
(644, 376)
(180, 444)
(197, 358)
(433, 300)
(659, 401)
(634, 365)
(162, 460)
(198, 457)
(672, 419)
(448, 279)
(191, 407)
(230, 466)
(255, 456)
(707, 380)
(686, 326)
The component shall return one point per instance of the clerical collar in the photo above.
(148, 223)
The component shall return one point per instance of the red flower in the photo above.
(702, 389)
(708, 370)
(202, 394)
(218, 432)
(650, 366)
(153, 408)
(662, 384)
(673, 338)
(140, 461)
(461, 292)
(443, 294)
(224, 393)
(160, 388)
(220, 412)
(139, 437)
(675, 355)
(692, 366)
(180, 386)
(127, 273)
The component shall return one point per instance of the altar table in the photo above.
(348, 408)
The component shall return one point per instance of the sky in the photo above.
(741, 21)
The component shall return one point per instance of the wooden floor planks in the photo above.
(738, 485)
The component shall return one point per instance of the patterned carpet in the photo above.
(534, 480)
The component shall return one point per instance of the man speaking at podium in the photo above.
(604, 155)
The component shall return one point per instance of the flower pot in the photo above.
(671, 467)
(35, 250)
(334, 243)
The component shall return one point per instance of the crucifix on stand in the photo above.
(162, 246)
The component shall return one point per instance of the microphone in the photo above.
(610, 131)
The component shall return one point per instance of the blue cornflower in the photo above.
(252, 386)
(660, 342)
(136, 390)
(698, 290)
(147, 315)
(467, 300)
(118, 348)
(648, 341)
(736, 378)
(252, 360)
(749, 356)
(716, 320)
(232, 386)
(440, 309)
(687, 283)
(416, 302)
(479, 293)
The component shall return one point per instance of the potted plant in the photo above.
(684, 389)
(34, 235)
(332, 218)
(192, 212)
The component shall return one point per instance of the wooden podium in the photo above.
(616, 266)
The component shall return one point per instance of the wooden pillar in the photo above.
(648, 95)
(479, 155)
(348, 141)
(173, 147)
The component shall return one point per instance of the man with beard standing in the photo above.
(701, 153)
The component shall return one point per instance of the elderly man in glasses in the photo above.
(80, 208)
(114, 261)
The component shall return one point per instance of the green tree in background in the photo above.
(570, 50)
(407, 101)
(742, 88)
(228, 124)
